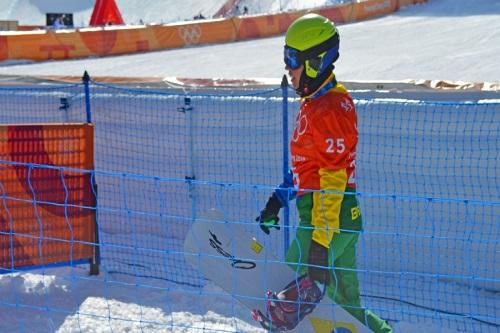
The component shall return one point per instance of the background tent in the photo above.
(105, 13)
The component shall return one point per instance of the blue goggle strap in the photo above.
(294, 58)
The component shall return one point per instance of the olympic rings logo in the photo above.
(300, 128)
(190, 34)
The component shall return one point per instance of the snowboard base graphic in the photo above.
(234, 257)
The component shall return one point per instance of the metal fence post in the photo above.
(286, 211)
(187, 109)
(86, 80)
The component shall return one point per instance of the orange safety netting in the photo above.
(47, 200)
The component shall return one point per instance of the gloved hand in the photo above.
(268, 217)
(318, 256)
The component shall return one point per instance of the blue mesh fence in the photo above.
(63, 103)
(427, 173)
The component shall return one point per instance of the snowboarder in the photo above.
(323, 154)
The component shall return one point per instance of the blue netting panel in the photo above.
(429, 182)
(217, 138)
(227, 138)
(429, 149)
(61, 103)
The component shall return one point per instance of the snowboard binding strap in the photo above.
(285, 309)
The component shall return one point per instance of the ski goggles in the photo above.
(292, 59)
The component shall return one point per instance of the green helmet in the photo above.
(313, 41)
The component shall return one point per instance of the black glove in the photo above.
(318, 256)
(268, 217)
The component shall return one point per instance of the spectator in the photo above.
(58, 23)
(199, 17)
(66, 21)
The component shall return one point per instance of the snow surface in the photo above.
(444, 39)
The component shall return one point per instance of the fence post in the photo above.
(95, 261)
(286, 211)
(86, 80)
(187, 109)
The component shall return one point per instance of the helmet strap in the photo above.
(308, 86)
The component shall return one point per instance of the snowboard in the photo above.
(236, 257)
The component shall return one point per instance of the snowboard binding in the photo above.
(285, 309)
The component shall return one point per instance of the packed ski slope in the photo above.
(444, 39)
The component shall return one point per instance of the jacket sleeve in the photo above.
(285, 191)
(326, 205)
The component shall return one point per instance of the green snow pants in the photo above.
(344, 285)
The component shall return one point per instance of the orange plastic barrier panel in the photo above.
(39, 45)
(112, 41)
(366, 9)
(338, 14)
(44, 45)
(264, 25)
(203, 32)
(141, 39)
(45, 210)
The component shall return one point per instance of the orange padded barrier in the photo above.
(114, 40)
(363, 10)
(45, 214)
(64, 44)
(263, 26)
